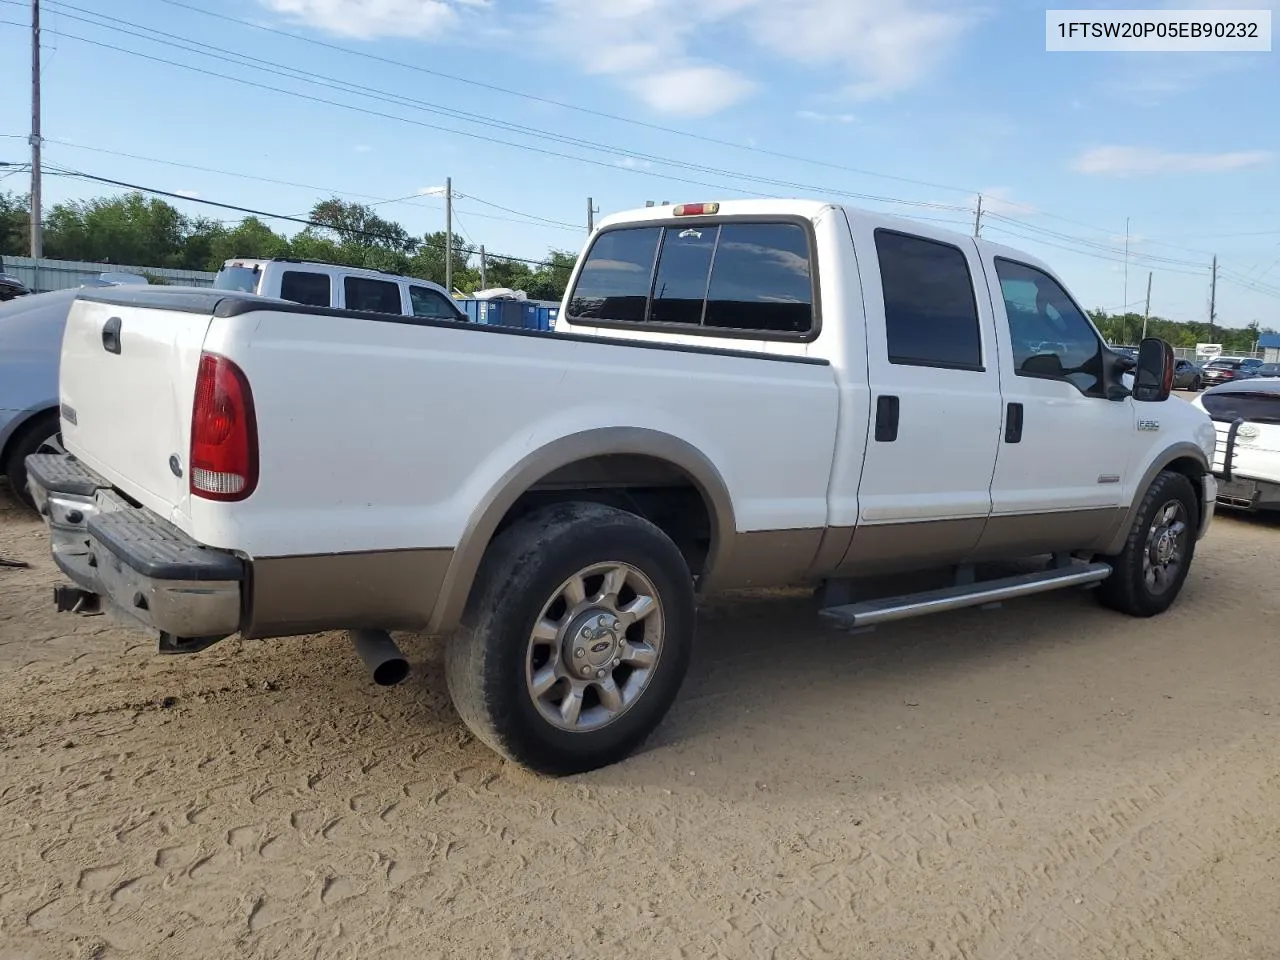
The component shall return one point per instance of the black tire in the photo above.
(1128, 589)
(35, 434)
(1196, 385)
(523, 570)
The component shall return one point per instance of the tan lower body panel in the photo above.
(387, 590)
(1029, 534)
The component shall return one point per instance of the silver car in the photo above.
(30, 344)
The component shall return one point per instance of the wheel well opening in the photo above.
(649, 487)
(1194, 471)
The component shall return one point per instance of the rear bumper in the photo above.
(137, 563)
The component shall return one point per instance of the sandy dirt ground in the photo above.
(1047, 780)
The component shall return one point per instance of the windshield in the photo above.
(243, 279)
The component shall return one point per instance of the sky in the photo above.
(532, 106)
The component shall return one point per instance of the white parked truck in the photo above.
(751, 393)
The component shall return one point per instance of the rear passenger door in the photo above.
(924, 495)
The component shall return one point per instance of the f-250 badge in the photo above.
(1148, 424)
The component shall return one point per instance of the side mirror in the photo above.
(1153, 376)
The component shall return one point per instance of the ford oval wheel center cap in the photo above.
(592, 643)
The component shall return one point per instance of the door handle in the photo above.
(886, 419)
(111, 335)
(1013, 423)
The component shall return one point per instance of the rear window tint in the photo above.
(761, 279)
(733, 276)
(684, 263)
(614, 281)
(1254, 407)
(301, 286)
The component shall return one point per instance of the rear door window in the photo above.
(372, 296)
(303, 286)
(930, 312)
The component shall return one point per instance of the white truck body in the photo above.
(807, 393)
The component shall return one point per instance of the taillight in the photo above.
(224, 432)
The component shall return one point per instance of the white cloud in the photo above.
(668, 53)
(368, 19)
(816, 116)
(1140, 161)
(363, 148)
(631, 163)
(189, 194)
(431, 191)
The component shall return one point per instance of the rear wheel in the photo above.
(43, 434)
(575, 640)
(1148, 573)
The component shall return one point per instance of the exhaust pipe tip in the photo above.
(381, 656)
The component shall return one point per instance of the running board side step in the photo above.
(872, 612)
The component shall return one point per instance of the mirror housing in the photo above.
(1153, 375)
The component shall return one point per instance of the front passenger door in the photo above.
(1065, 448)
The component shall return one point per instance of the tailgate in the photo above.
(126, 384)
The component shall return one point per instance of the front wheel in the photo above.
(1148, 573)
(575, 639)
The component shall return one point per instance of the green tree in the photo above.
(357, 224)
(249, 238)
(15, 225)
(128, 230)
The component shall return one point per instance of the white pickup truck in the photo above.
(754, 393)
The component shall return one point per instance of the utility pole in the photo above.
(592, 210)
(977, 219)
(37, 228)
(1126, 266)
(484, 284)
(448, 234)
(1146, 313)
(1213, 297)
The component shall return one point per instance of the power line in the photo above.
(305, 221)
(562, 104)
(221, 54)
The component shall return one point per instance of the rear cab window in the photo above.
(1253, 406)
(238, 278)
(306, 287)
(745, 278)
